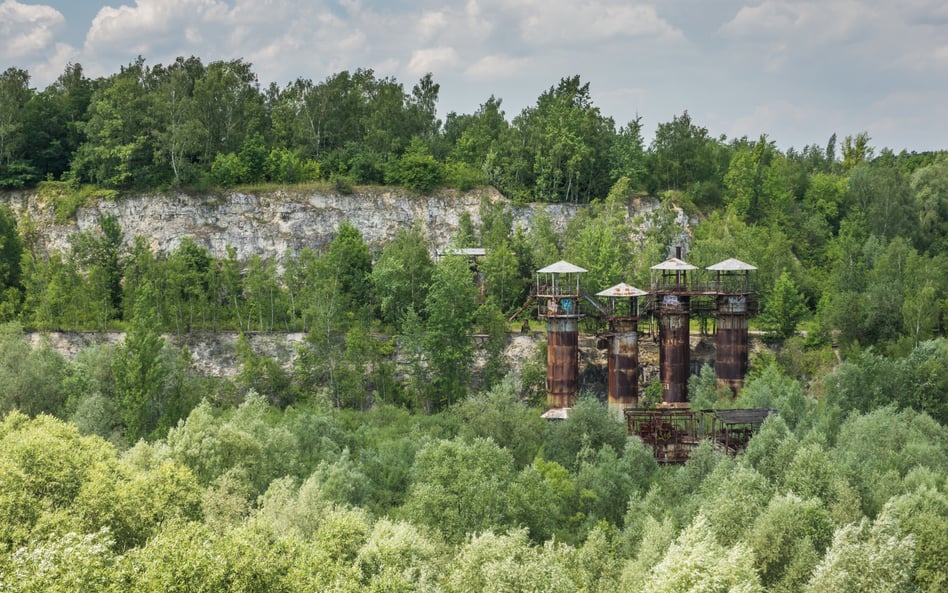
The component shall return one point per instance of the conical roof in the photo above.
(673, 264)
(562, 267)
(731, 265)
(622, 290)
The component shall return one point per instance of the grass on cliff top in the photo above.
(66, 198)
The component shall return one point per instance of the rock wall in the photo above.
(213, 353)
(273, 224)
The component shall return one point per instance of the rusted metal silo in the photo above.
(558, 297)
(623, 353)
(672, 295)
(734, 305)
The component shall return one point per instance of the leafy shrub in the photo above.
(342, 183)
(462, 176)
(229, 170)
(416, 169)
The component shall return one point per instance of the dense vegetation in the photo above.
(384, 459)
(483, 496)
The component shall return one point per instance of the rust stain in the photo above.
(562, 356)
(675, 349)
(623, 365)
(731, 343)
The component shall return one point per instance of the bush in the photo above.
(463, 176)
(416, 169)
(228, 170)
(342, 183)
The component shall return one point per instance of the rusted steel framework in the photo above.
(734, 305)
(558, 297)
(731, 430)
(671, 433)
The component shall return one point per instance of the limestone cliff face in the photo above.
(274, 224)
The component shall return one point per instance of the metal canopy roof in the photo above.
(673, 264)
(622, 290)
(562, 267)
(755, 416)
(556, 414)
(731, 265)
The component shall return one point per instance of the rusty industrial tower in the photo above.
(558, 294)
(623, 347)
(672, 293)
(734, 303)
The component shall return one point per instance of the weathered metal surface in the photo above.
(623, 365)
(674, 347)
(731, 361)
(555, 414)
(731, 430)
(671, 433)
(562, 361)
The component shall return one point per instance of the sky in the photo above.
(797, 71)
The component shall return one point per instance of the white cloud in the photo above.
(496, 66)
(50, 68)
(431, 59)
(873, 34)
(829, 20)
(432, 23)
(283, 39)
(565, 22)
(150, 22)
(27, 31)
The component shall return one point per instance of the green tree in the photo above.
(930, 188)
(681, 154)
(228, 107)
(100, 253)
(867, 557)
(450, 305)
(398, 555)
(72, 562)
(563, 145)
(31, 380)
(15, 93)
(924, 514)
(695, 562)
(348, 259)
(416, 168)
(119, 147)
(55, 117)
(490, 562)
(145, 376)
(502, 276)
(11, 257)
(402, 275)
(498, 415)
(460, 487)
(785, 308)
(590, 426)
(627, 154)
(179, 135)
